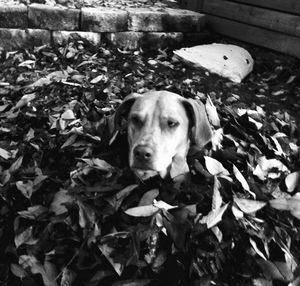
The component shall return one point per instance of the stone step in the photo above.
(128, 27)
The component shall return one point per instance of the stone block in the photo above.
(163, 40)
(13, 16)
(179, 20)
(63, 37)
(152, 40)
(146, 20)
(53, 18)
(126, 40)
(17, 38)
(103, 20)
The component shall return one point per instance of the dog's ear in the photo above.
(115, 123)
(201, 132)
(123, 110)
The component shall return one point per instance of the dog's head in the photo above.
(161, 127)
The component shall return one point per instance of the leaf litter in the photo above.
(72, 213)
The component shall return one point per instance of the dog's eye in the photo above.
(136, 120)
(172, 123)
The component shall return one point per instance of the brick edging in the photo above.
(39, 23)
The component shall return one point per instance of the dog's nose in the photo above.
(143, 153)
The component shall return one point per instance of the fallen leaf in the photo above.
(102, 165)
(217, 198)
(29, 135)
(249, 206)
(68, 115)
(78, 77)
(70, 141)
(217, 139)
(25, 188)
(25, 237)
(218, 233)
(179, 168)
(278, 148)
(61, 198)
(294, 205)
(215, 167)
(269, 168)
(148, 197)
(87, 216)
(44, 81)
(242, 180)
(163, 205)
(47, 270)
(28, 64)
(16, 165)
(98, 164)
(116, 251)
(257, 250)
(256, 123)
(116, 200)
(33, 212)
(3, 107)
(236, 212)
(152, 62)
(18, 271)
(270, 270)
(4, 154)
(280, 204)
(25, 100)
(292, 181)
(262, 282)
(212, 113)
(99, 78)
(142, 211)
(214, 217)
(125, 192)
(68, 277)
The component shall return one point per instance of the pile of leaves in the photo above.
(72, 213)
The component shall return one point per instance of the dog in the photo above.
(161, 128)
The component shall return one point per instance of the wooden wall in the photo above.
(273, 24)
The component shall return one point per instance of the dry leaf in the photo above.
(212, 113)
(214, 217)
(249, 206)
(217, 198)
(142, 211)
(4, 154)
(242, 180)
(215, 167)
(292, 181)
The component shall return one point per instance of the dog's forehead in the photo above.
(162, 102)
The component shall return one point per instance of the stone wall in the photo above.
(131, 28)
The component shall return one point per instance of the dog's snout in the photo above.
(143, 153)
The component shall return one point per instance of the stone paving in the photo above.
(130, 28)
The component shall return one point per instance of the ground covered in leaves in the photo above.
(72, 213)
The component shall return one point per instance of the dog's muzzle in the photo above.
(143, 156)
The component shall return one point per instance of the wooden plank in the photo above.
(194, 5)
(290, 6)
(273, 20)
(255, 35)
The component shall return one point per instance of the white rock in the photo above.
(228, 61)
